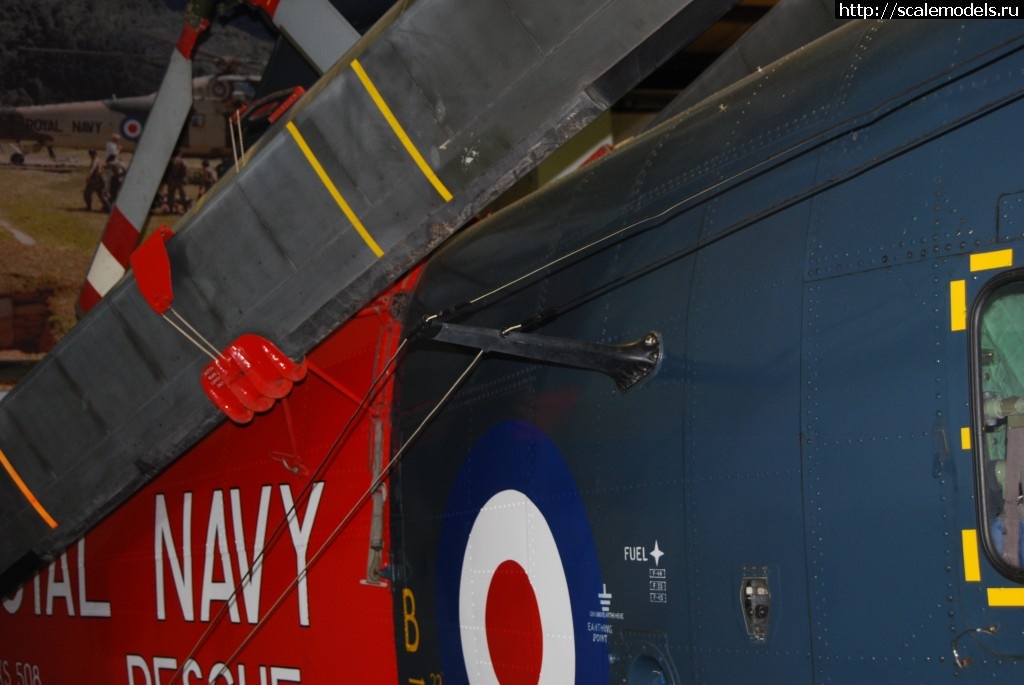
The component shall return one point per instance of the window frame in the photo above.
(976, 403)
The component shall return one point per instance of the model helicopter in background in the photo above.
(91, 124)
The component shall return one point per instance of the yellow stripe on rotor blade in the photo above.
(400, 132)
(26, 492)
(333, 190)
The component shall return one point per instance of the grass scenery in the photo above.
(47, 238)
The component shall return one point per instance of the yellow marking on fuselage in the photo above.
(40, 509)
(958, 305)
(407, 143)
(984, 261)
(999, 259)
(972, 563)
(1006, 596)
(333, 190)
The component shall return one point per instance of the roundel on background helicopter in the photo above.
(219, 89)
(131, 128)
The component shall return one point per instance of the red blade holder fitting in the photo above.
(152, 269)
(249, 375)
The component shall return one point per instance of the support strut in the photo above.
(628, 364)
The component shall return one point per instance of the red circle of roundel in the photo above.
(512, 620)
(515, 499)
(131, 128)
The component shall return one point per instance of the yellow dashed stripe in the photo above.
(335, 193)
(1000, 259)
(972, 564)
(400, 132)
(1006, 596)
(958, 305)
(992, 260)
(26, 492)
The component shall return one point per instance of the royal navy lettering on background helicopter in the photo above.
(88, 125)
(43, 125)
(227, 82)
(54, 126)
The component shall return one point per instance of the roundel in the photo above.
(219, 89)
(517, 568)
(131, 128)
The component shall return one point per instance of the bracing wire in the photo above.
(347, 519)
(204, 345)
(823, 138)
(615, 233)
(581, 250)
(375, 386)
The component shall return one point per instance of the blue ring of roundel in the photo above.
(517, 455)
(131, 128)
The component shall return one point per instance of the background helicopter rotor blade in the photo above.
(163, 126)
(314, 27)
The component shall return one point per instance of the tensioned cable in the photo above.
(588, 247)
(377, 481)
(828, 135)
(204, 345)
(338, 529)
(825, 137)
(279, 529)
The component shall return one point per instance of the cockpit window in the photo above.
(998, 369)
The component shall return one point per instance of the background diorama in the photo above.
(56, 51)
